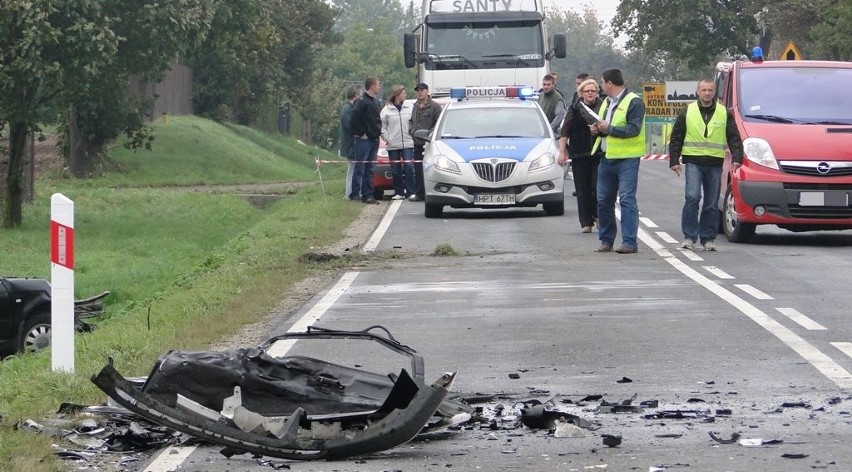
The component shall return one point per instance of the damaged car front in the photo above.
(292, 407)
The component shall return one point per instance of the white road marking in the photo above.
(754, 292)
(718, 272)
(313, 315)
(666, 237)
(170, 459)
(837, 374)
(380, 231)
(801, 319)
(845, 347)
(691, 255)
(648, 222)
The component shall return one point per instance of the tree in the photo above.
(48, 54)
(830, 35)
(694, 31)
(151, 34)
(257, 52)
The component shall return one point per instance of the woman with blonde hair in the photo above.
(575, 144)
(395, 117)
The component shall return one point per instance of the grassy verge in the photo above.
(186, 268)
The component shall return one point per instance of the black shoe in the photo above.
(370, 201)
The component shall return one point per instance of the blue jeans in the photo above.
(618, 178)
(402, 169)
(365, 164)
(705, 227)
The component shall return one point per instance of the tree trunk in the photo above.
(28, 181)
(76, 149)
(18, 135)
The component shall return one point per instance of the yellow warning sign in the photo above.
(654, 98)
(791, 52)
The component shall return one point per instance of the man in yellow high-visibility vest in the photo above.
(699, 136)
(621, 136)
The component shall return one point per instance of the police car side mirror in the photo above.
(423, 134)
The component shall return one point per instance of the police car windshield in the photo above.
(775, 94)
(503, 122)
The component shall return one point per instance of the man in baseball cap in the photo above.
(424, 116)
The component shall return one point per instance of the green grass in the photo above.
(185, 268)
(194, 151)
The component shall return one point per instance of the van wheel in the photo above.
(554, 208)
(434, 210)
(36, 335)
(736, 231)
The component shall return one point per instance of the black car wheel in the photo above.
(36, 333)
(735, 230)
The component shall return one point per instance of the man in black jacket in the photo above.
(700, 134)
(366, 127)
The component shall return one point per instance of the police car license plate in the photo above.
(494, 199)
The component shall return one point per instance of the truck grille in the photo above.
(494, 172)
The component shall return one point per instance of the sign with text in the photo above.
(656, 105)
(481, 6)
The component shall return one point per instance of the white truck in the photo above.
(481, 43)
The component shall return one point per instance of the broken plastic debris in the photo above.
(734, 438)
(611, 440)
(624, 380)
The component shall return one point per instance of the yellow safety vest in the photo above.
(705, 139)
(622, 148)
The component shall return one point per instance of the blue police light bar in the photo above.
(515, 91)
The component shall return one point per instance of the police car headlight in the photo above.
(445, 164)
(546, 161)
(758, 151)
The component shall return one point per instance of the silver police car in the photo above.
(492, 148)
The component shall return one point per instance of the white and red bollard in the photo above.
(62, 283)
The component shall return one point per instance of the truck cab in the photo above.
(481, 43)
(795, 121)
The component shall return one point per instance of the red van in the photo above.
(795, 118)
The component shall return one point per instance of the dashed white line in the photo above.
(844, 347)
(832, 370)
(647, 222)
(691, 255)
(666, 237)
(718, 272)
(801, 319)
(754, 292)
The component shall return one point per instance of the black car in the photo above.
(25, 314)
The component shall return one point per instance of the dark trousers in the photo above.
(585, 182)
(418, 171)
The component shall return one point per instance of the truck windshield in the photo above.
(495, 45)
(796, 95)
(503, 122)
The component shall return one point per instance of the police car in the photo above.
(492, 148)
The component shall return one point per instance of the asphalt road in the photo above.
(751, 341)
